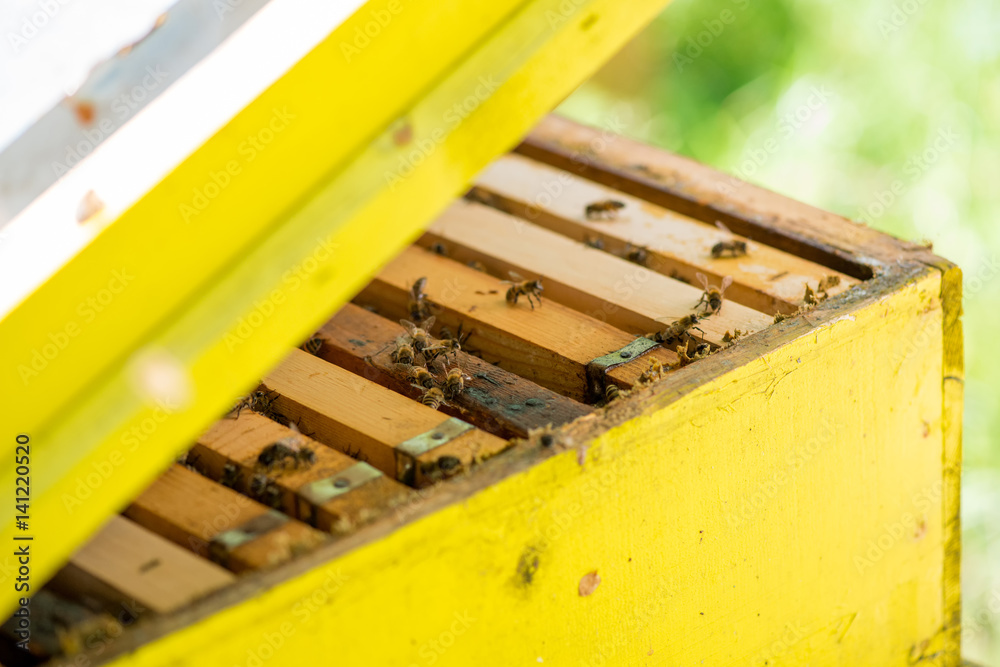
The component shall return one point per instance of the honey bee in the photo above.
(231, 476)
(611, 392)
(712, 296)
(652, 373)
(636, 254)
(439, 249)
(417, 306)
(263, 489)
(478, 266)
(519, 286)
(595, 242)
(403, 354)
(734, 247)
(418, 335)
(313, 345)
(606, 209)
(676, 331)
(286, 449)
(421, 376)
(256, 401)
(454, 382)
(433, 398)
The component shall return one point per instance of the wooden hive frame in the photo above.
(788, 499)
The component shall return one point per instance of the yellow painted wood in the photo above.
(338, 191)
(787, 512)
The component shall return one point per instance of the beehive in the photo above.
(790, 497)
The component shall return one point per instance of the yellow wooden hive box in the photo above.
(660, 416)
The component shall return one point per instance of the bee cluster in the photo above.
(419, 350)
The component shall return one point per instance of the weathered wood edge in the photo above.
(706, 194)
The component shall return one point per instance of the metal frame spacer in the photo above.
(223, 544)
(408, 451)
(323, 491)
(599, 367)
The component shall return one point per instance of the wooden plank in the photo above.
(697, 190)
(550, 345)
(192, 511)
(628, 296)
(239, 442)
(126, 563)
(369, 422)
(494, 399)
(766, 279)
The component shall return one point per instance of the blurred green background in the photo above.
(887, 113)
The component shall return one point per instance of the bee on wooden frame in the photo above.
(421, 376)
(636, 254)
(519, 286)
(611, 392)
(606, 209)
(418, 335)
(676, 331)
(263, 489)
(454, 382)
(284, 450)
(432, 398)
(256, 401)
(403, 354)
(418, 305)
(231, 476)
(712, 297)
(732, 247)
(313, 345)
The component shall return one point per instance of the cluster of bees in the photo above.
(419, 350)
(281, 454)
